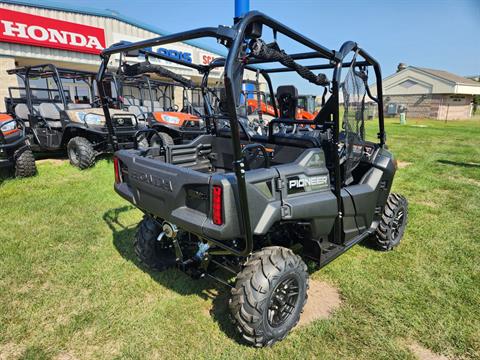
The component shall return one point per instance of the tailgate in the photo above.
(176, 194)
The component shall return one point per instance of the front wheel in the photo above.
(80, 152)
(393, 222)
(269, 295)
(24, 163)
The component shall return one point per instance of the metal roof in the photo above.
(112, 14)
(457, 79)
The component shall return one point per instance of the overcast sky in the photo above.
(438, 34)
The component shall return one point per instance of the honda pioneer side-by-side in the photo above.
(257, 207)
(15, 154)
(60, 113)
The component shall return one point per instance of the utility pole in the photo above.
(241, 8)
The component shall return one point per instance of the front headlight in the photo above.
(201, 123)
(9, 126)
(170, 119)
(89, 118)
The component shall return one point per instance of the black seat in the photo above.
(287, 96)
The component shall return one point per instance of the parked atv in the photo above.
(306, 107)
(256, 206)
(58, 120)
(15, 153)
(153, 101)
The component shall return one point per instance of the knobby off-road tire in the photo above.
(161, 139)
(154, 254)
(24, 163)
(270, 277)
(80, 152)
(393, 222)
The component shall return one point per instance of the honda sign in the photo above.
(27, 29)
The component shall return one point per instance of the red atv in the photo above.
(15, 153)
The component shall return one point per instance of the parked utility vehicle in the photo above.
(153, 101)
(257, 206)
(15, 152)
(58, 120)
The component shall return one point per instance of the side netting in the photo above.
(353, 134)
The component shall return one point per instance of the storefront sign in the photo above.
(180, 55)
(21, 28)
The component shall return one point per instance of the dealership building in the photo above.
(73, 37)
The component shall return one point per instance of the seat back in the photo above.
(21, 111)
(287, 96)
(156, 105)
(79, 106)
(130, 100)
(51, 111)
(139, 111)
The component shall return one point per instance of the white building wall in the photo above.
(114, 29)
(398, 84)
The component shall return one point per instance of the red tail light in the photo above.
(118, 174)
(217, 205)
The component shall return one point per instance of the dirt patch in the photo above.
(423, 353)
(323, 299)
(427, 203)
(403, 164)
(11, 351)
(65, 356)
(52, 161)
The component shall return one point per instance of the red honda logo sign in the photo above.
(21, 28)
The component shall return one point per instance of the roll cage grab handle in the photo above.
(234, 38)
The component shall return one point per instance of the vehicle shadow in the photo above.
(173, 279)
(462, 164)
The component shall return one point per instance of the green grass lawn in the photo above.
(70, 284)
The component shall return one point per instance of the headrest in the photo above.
(286, 90)
(287, 96)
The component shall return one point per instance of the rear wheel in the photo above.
(393, 222)
(155, 254)
(269, 295)
(80, 152)
(24, 163)
(162, 139)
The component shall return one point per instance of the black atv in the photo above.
(15, 153)
(258, 206)
(60, 113)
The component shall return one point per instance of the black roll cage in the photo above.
(57, 74)
(145, 82)
(235, 39)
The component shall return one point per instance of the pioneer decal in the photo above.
(302, 183)
(152, 180)
(28, 29)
